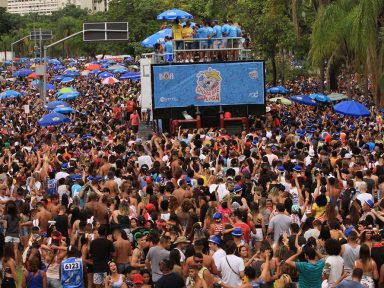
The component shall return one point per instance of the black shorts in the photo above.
(179, 45)
(135, 128)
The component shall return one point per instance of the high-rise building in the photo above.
(32, 6)
(23, 7)
(3, 3)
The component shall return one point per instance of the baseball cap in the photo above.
(348, 156)
(237, 232)
(297, 168)
(138, 279)
(369, 203)
(217, 215)
(281, 168)
(237, 188)
(215, 239)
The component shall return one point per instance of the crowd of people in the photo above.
(203, 42)
(296, 201)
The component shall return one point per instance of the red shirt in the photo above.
(131, 105)
(245, 229)
(134, 119)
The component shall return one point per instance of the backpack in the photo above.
(52, 187)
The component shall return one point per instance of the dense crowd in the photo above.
(295, 201)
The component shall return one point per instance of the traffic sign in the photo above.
(105, 31)
(40, 35)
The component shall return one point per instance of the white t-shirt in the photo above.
(145, 159)
(333, 267)
(218, 255)
(228, 265)
(271, 157)
(295, 196)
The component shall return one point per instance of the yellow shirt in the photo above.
(187, 33)
(177, 32)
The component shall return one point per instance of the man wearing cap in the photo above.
(238, 214)
(181, 244)
(214, 243)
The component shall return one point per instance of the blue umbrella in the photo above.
(53, 119)
(64, 110)
(7, 62)
(10, 94)
(156, 38)
(54, 62)
(67, 80)
(120, 71)
(320, 97)
(303, 99)
(278, 90)
(69, 96)
(95, 72)
(106, 65)
(23, 72)
(54, 104)
(58, 68)
(105, 75)
(129, 76)
(57, 78)
(71, 73)
(174, 14)
(352, 108)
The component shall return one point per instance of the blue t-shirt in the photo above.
(238, 31)
(217, 31)
(210, 31)
(225, 30)
(168, 47)
(232, 33)
(72, 273)
(202, 32)
(310, 274)
(75, 189)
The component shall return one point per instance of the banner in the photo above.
(208, 84)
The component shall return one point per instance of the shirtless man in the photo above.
(138, 256)
(104, 167)
(111, 184)
(99, 210)
(43, 216)
(208, 261)
(123, 251)
(182, 192)
(54, 205)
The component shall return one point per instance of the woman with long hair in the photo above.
(11, 222)
(9, 267)
(368, 265)
(114, 280)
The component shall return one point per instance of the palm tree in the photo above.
(369, 38)
(331, 36)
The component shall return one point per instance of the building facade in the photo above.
(23, 7)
